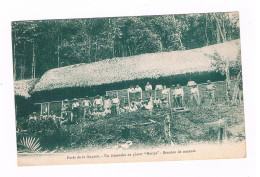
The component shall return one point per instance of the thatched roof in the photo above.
(23, 87)
(152, 65)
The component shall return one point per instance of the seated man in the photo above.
(148, 105)
(157, 103)
(133, 107)
(33, 117)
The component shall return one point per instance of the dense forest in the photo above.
(45, 44)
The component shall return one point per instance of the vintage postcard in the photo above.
(128, 89)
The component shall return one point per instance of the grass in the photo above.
(196, 126)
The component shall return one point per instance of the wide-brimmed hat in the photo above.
(208, 81)
(86, 96)
(75, 99)
(66, 100)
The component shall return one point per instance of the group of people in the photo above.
(87, 107)
(176, 93)
(75, 109)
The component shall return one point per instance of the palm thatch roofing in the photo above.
(23, 87)
(152, 65)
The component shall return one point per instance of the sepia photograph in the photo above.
(128, 89)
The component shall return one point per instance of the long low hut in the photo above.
(166, 68)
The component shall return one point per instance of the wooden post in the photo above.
(48, 108)
(128, 96)
(170, 102)
(41, 109)
(61, 108)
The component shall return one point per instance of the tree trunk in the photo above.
(206, 32)
(33, 63)
(58, 51)
(227, 81)
(219, 31)
(89, 49)
(14, 63)
(179, 34)
(14, 57)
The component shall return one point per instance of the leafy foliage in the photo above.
(56, 43)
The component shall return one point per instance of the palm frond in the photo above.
(30, 143)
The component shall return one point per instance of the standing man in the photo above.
(107, 104)
(98, 103)
(86, 104)
(115, 105)
(75, 111)
(165, 96)
(210, 90)
(194, 93)
(138, 93)
(178, 95)
(131, 93)
(149, 88)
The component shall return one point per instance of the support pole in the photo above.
(61, 108)
(41, 109)
(128, 96)
(48, 109)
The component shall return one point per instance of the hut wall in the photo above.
(81, 92)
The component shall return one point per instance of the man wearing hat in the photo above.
(194, 92)
(86, 104)
(210, 89)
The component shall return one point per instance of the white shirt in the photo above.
(107, 103)
(194, 90)
(158, 87)
(165, 91)
(138, 89)
(210, 87)
(76, 104)
(115, 101)
(148, 87)
(98, 101)
(86, 103)
(178, 91)
(131, 90)
(157, 101)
